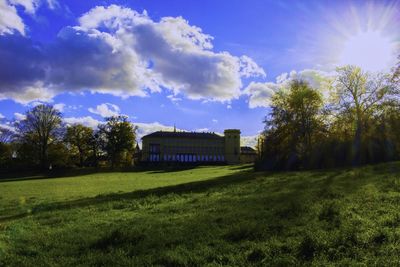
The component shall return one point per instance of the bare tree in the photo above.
(41, 128)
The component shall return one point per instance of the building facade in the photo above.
(247, 154)
(192, 147)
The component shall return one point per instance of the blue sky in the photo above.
(201, 65)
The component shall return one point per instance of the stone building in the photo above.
(192, 147)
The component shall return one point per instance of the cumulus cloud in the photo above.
(250, 140)
(174, 98)
(260, 94)
(2, 116)
(87, 121)
(249, 68)
(59, 106)
(123, 52)
(11, 21)
(106, 110)
(8, 126)
(19, 116)
(148, 128)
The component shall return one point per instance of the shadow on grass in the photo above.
(199, 186)
(67, 173)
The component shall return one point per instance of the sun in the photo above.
(369, 50)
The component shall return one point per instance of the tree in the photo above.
(293, 124)
(396, 73)
(118, 136)
(39, 129)
(79, 137)
(359, 94)
(6, 136)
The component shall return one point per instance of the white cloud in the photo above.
(30, 6)
(260, 94)
(174, 99)
(87, 121)
(202, 130)
(28, 94)
(250, 141)
(214, 120)
(59, 106)
(148, 128)
(7, 126)
(52, 4)
(119, 51)
(19, 116)
(248, 68)
(2, 116)
(10, 21)
(229, 107)
(106, 110)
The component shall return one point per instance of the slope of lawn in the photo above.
(208, 216)
(26, 194)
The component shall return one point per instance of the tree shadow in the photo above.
(198, 186)
(67, 173)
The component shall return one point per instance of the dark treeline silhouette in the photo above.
(42, 141)
(358, 123)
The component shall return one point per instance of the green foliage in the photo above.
(79, 137)
(38, 131)
(207, 216)
(293, 126)
(359, 124)
(118, 139)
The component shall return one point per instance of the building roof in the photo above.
(247, 150)
(184, 135)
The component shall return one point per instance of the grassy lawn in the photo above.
(227, 215)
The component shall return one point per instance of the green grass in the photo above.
(227, 215)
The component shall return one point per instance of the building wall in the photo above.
(232, 146)
(183, 149)
(218, 149)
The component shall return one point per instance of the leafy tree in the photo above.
(6, 136)
(293, 125)
(118, 137)
(358, 94)
(79, 137)
(40, 129)
(396, 73)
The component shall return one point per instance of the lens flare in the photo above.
(369, 50)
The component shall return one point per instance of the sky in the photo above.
(200, 65)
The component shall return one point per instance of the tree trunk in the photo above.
(357, 144)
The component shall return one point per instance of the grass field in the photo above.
(222, 215)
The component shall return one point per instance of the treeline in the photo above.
(358, 122)
(42, 141)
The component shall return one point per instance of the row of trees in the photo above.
(43, 140)
(359, 123)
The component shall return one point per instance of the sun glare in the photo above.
(369, 50)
